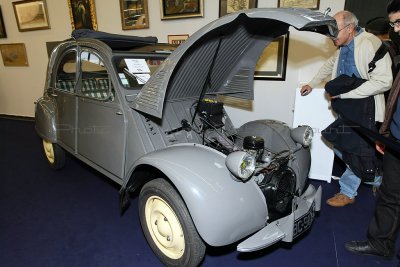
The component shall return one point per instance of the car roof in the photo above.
(115, 41)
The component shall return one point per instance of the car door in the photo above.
(64, 92)
(101, 125)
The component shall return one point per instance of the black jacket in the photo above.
(358, 151)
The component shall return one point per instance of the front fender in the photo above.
(45, 119)
(223, 210)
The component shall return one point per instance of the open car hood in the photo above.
(221, 57)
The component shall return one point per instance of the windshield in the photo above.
(135, 71)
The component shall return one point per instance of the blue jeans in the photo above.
(349, 182)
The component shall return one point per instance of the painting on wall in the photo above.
(31, 15)
(230, 6)
(82, 14)
(310, 4)
(364, 11)
(272, 63)
(3, 33)
(176, 9)
(134, 14)
(177, 39)
(14, 55)
(50, 47)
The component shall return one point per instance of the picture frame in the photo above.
(50, 47)
(134, 14)
(272, 62)
(3, 33)
(230, 6)
(177, 39)
(82, 14)
(14, 55)
(31, 15)
(178, 9)
(310, 4)
(364, 11)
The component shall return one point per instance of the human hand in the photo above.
(380, 147)
(305, 90)
(333, 96)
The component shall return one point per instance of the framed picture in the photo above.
(310, 4)
(3, 33)
(134, 14)
(50, 47)
(272, 63)
(177, 39)
(364, 11)
(14, 55)
(229, 6)
(31, 15)
(82, 14)
(176, 9)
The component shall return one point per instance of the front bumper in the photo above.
(289, 227)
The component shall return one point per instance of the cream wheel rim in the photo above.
(49, 151)
(164, 227)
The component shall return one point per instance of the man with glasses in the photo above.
(395, 23)
(384, 227)
(356, 50)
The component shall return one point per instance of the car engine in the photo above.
(271, 172)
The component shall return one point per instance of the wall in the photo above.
(21, 86)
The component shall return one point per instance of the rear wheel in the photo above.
(167, 225)
(55, 155)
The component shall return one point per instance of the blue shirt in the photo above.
(346, 64)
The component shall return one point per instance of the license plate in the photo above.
(304, 222)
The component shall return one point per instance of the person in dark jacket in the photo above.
(383, 229)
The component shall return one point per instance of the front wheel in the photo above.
(167, 225)
(55, 155)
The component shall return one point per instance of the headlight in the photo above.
(241, 164)
(302, 134)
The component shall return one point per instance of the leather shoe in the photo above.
(366, 248)
(339, 200)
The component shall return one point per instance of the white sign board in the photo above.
(314, 110)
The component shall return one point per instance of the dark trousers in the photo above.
(384, 227)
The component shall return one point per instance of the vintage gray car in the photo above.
(152, 121)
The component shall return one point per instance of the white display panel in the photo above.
(314, 110)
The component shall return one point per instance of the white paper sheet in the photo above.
(137, 65)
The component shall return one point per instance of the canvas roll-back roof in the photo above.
(115, 41)
(220, 58)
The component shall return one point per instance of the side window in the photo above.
(135, 72)
(66, 73)
(96, 82)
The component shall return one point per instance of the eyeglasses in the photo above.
(395, 23)
(346, 27)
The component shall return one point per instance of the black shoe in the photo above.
(366, 248)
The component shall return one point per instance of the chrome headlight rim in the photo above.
(302, 134)
(308, 136)
(241, 164)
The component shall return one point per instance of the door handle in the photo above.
(119, 113)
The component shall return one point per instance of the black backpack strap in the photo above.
(380, 53)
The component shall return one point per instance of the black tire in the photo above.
(167, 225)
(54, 154)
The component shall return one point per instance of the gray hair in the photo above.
(348, 18)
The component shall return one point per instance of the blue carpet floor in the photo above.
(71, 218)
